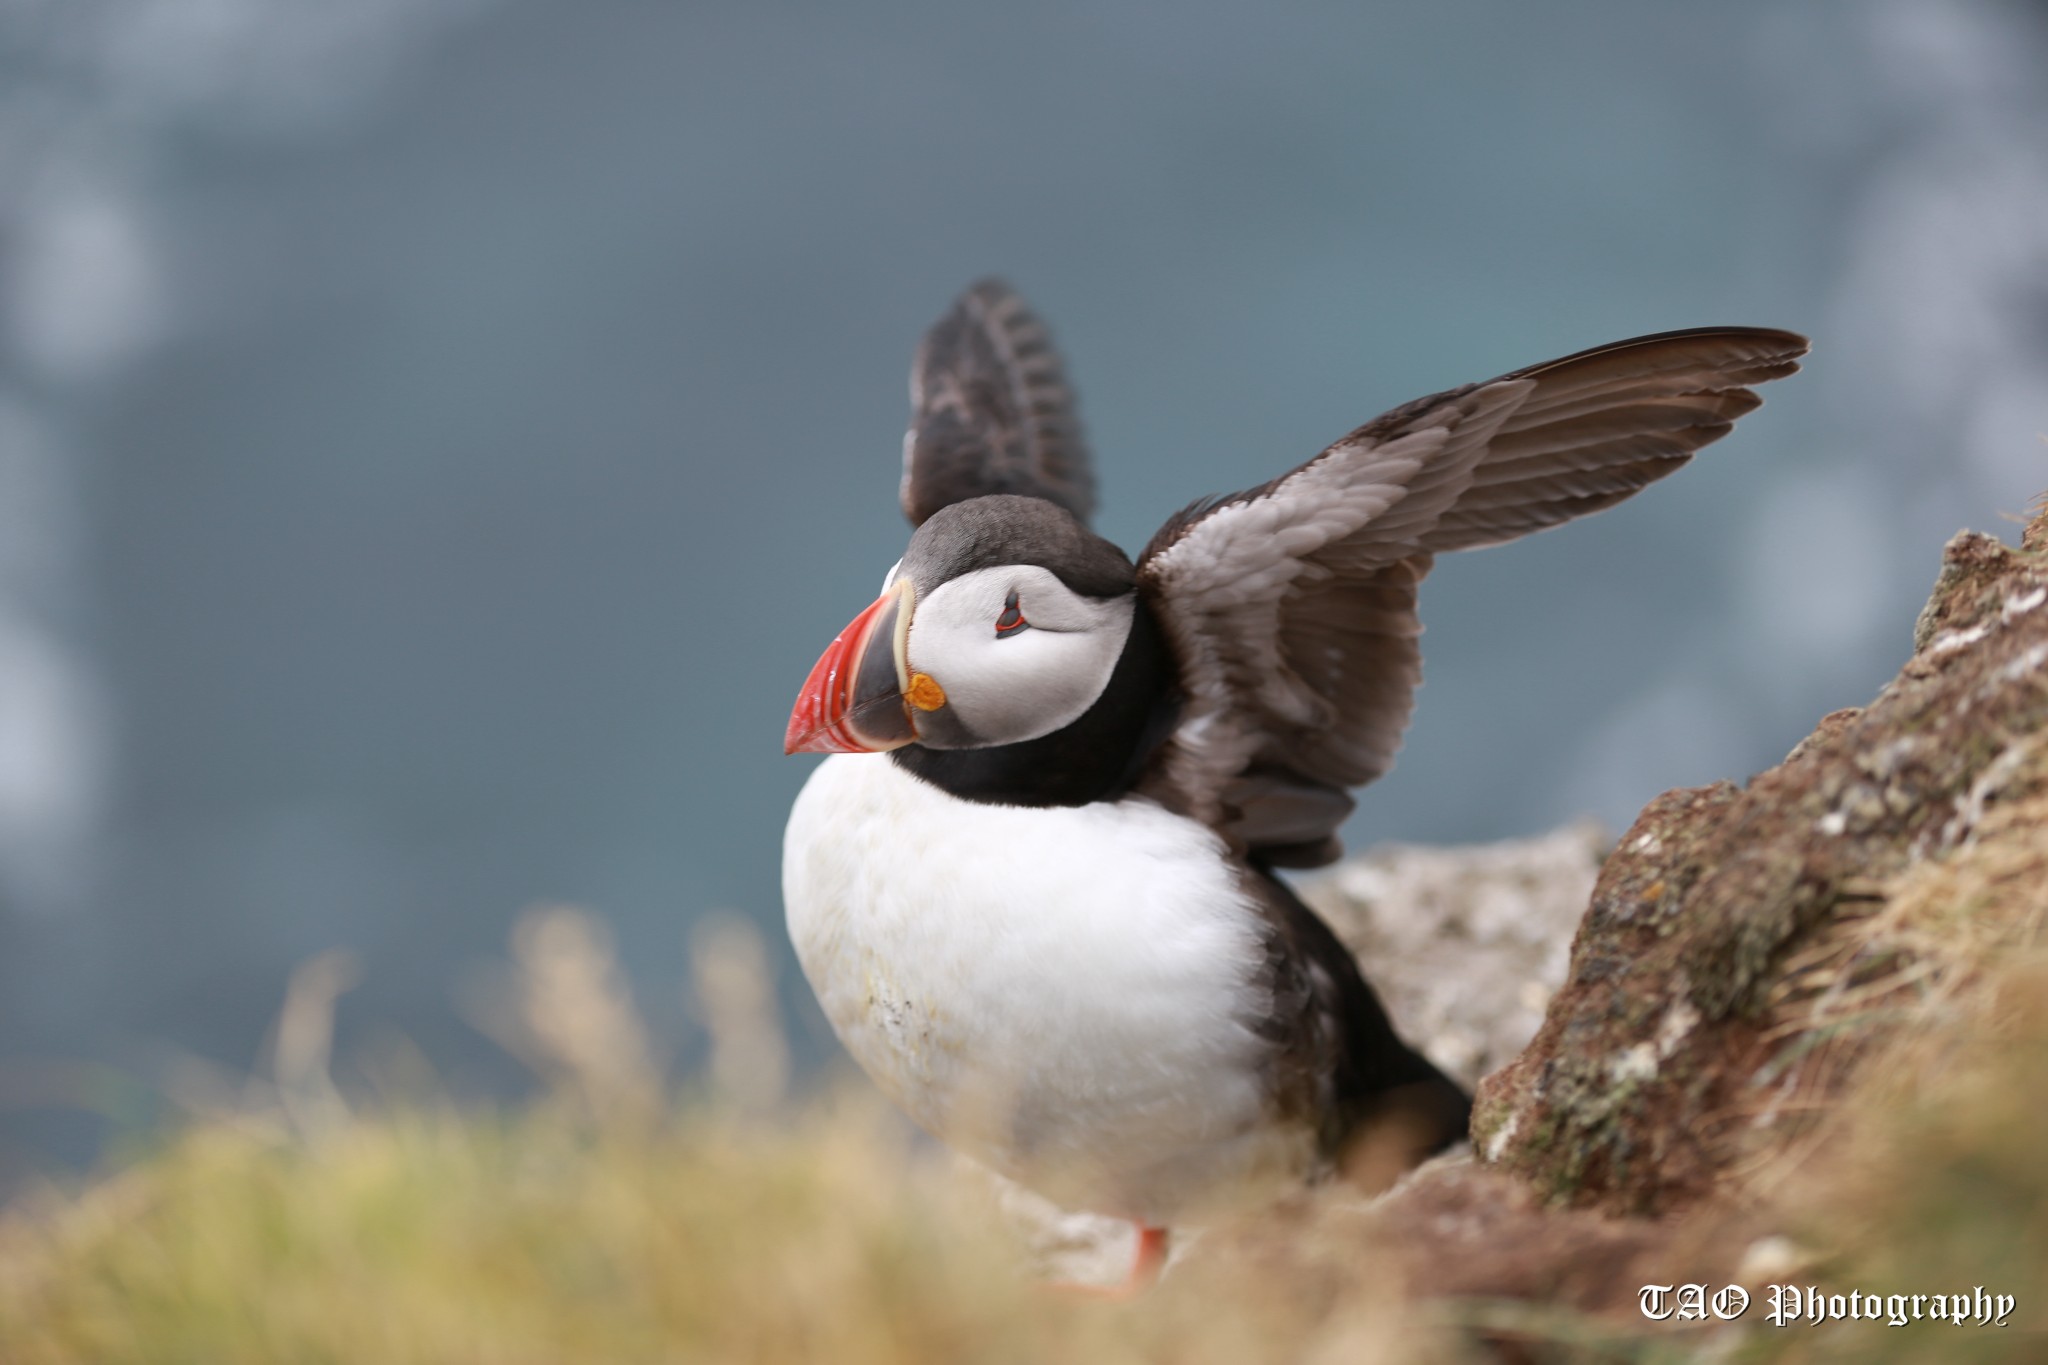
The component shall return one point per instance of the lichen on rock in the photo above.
(1745, 948)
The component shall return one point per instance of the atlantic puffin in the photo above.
(1035, 888)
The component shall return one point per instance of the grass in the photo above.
(430, 1236)
(609, 1223)
(614, 1222)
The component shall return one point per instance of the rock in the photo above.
(1764, 980)
(1748, 948)
(1465, 945)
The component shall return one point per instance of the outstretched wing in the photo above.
(990, 411)
(1292, 606)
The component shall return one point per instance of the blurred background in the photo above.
(436, 436)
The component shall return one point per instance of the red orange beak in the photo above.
(853, 701)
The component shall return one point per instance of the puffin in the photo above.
(1035, 886)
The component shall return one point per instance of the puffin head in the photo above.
(1003, 623)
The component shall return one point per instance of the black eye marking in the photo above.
(1012, 620)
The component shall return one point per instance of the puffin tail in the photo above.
(1397, 1128)
(1392, 1107)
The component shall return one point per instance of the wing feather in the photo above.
(1291, 606)
(991, 411)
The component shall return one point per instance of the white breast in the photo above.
(1060, 992)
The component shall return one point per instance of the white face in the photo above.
(1030, 679)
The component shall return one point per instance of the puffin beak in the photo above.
(854, 700)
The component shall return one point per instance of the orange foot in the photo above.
(1145, 1267)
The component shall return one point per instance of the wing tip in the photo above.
(1775, 350)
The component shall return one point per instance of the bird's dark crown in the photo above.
(1004, 528)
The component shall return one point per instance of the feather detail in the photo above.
(991, 411)
(1291, 606)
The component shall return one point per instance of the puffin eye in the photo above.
(1012, 620)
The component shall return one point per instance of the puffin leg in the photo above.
(1150, 1258)
(1146, 1263)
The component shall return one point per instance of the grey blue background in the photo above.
(436, 436)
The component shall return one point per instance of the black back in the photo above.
(1328, 1022)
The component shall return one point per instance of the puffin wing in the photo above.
(1291, 606)
(991, 411)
